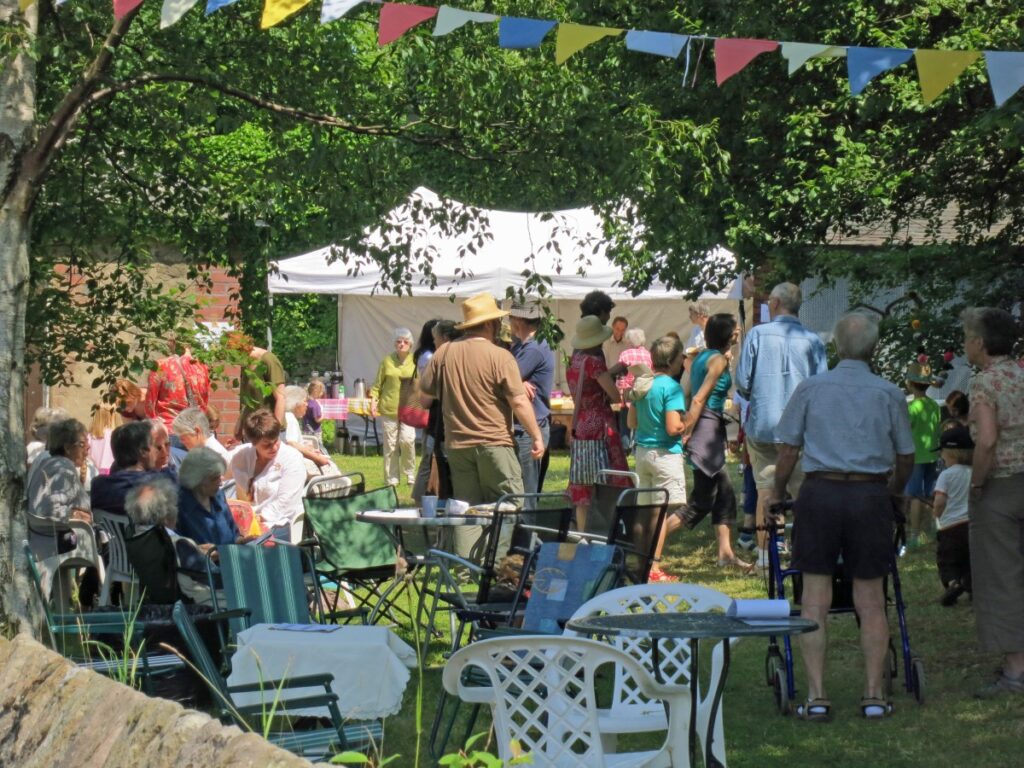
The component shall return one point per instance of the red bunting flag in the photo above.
(397, 18)
(123, 7)
(732, 55)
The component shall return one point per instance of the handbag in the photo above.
(410, 412)
(440, 481)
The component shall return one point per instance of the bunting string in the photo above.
(937, 70)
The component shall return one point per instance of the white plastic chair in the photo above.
(631, 710)
(542, 699)
(119, 568)
(56, 570)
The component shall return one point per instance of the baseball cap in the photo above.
(956, 437)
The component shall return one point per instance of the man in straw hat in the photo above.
(480, 389)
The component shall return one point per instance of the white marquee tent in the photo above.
(566, 247)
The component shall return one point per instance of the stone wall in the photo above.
(53, 713)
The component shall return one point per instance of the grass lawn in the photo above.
(950, 729)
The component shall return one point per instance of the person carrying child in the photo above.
(925, 417)
(953, 551)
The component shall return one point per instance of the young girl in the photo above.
(953, 551)
(105, 420)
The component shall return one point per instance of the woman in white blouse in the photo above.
(269, 474)
(296, 402)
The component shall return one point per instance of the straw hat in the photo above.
(528, 309)
(919, 373)
(479, 309)
(590, 332)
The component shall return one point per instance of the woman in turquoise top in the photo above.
(709, 385)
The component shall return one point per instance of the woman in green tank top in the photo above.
(709, 385)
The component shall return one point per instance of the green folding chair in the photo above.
(354, 556)
(116, 625)
(315, 744)
(268, 585)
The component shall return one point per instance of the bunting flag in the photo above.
(449, 19)
(332, 10)
(573, 38)
(865, 64)
(398, 18)
(172, 11)
(123, 7)
(24, 5)
(1005, 74)
(515, 32)
(216, 5)
(937, 70)
(732, 55)
(798, 54)
(656, 43)
(276, 11)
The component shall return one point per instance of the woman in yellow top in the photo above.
(399, 439)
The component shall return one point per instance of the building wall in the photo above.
(79, 397)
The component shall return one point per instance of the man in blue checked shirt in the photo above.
(776, 357)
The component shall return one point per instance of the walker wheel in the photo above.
(917, 678)
(780, 692)
(772, 662)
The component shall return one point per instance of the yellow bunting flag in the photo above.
(937, 70)
(276, 11)
(573, 38)
(25, 4)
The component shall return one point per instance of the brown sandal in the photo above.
(875, 709)
(815, 710)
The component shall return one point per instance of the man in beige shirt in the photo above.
(480, 389)
(616, 344)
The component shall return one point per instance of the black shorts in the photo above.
(849, 519)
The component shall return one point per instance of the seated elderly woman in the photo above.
(296, 403)
(203, 512)
(269, 474)
(55, 493)
(42, 419)
(192, 427)
(155, 503)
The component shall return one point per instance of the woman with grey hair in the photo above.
(296, 402)
(399, 439)
(41, 421)
(203, 513)
(996, 506)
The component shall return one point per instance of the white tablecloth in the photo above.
(370, 667)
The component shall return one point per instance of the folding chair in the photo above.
(476, 599)
(561, 577)
(267, 585)
(541, 691)
(316, 744)
(353, 555)
(631, 711)
(117, 625)
(118, 569)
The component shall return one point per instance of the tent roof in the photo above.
(546, 244)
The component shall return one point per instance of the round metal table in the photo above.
(691, 627)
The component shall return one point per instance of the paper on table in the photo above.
(406, 514)
(759, 610)
(456, 507)
(306, 627)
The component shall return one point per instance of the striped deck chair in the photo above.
(270, 585)
(315, 744)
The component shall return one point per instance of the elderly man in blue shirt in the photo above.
(536, 364)
(858, 452)
(776, 357)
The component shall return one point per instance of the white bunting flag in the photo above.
(332, 10)
(449, 19)
(798, 54)
(173, 10)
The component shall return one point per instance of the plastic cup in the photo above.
(429, 506)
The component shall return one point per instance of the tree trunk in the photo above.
(17, 118)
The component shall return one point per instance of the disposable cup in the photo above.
(429, 506)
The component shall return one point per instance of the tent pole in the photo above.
(270, 323)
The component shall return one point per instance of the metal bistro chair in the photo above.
(315, 744)
(633, 711)
(632, 518)
(118, 528)
(543, 700)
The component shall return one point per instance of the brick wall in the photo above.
(79, 397)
